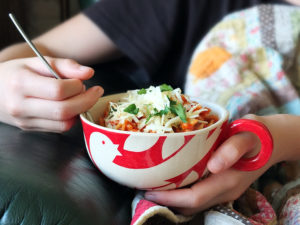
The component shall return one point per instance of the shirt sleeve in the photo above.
(141, 29)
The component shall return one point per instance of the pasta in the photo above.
(159, 109)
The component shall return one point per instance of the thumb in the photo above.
(242, 144)
(66, 68)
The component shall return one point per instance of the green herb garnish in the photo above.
(142, 91)
(158, 113)
(165, 87)
(162, 112)
(179, 110)
(132, 109)
(172, 103)
(148, 118)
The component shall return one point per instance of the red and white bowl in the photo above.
(163, 161)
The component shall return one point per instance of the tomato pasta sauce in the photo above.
(159, 109)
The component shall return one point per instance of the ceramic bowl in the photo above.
(163, 161)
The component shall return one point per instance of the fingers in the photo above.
(51, 116)
(66, 68)
(196, 198)
(33, 99)
(32, 85)
(37, 124)
(231, 151)
(27, 80)
(216, 189)
(60, 110)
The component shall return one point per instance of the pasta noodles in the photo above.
(159, 109)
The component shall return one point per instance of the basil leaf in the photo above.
(165, 87)
(158, 113)
(142, 91)
(132, 109)
(171, 101)
(148, 118)
(163, 111)
(179, 110)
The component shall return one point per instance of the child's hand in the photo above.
(223, 184)
(217, 188)
(243, 144)
(31, 99)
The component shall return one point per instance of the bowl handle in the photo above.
(259, 160)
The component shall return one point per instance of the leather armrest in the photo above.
(48, 179)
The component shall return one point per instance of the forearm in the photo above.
(78, 38)
(21, 50)
(285, 130)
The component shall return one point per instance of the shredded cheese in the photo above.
(157, 109)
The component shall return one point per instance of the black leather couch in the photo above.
(48, 179)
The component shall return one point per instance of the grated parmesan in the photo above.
(155, 110)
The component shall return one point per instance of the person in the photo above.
(159, 38)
